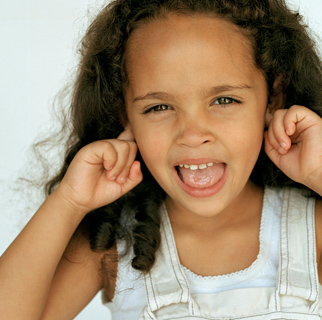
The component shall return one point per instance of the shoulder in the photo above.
(78, 278)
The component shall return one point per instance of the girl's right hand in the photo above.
(100, 173)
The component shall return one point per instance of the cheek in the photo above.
(247, 138)
(154, 149)
(151, 150)
(150, 145)
(150, 137)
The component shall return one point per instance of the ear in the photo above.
(277, 99)
(123, 119)
(128, 128)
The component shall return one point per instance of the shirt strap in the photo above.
(166, 282)
(298, 274)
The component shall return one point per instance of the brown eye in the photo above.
(158, 108)
(161, 107)
(224, 100)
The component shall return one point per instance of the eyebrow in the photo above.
(155, 96)
(160, 95)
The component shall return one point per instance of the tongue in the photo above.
(202, 178)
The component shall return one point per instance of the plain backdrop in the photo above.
(39, 41)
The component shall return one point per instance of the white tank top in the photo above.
(192, 293)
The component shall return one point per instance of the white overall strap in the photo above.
(166, 283)
(298, 269)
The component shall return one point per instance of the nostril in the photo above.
(194, 138)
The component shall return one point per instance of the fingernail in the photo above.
(113, 178)
(281, 150)
(283, 145)
(121, 179)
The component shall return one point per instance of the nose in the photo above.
(194, 131)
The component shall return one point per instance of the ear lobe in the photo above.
(128, 127)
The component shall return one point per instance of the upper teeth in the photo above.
(196, 167)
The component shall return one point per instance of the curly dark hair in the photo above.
(282, 48)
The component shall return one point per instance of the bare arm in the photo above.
(31, 283)
(77, 280)
(27, 267)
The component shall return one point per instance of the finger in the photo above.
(125, 172)
(97, 152)
(135, 174)
(278, 137)
(270, 150)
(270, 136)
(295, 119)
(104, 152)
(127, 134)
(123, 150)
(110, 156)
(134, 178)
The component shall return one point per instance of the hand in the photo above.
(101, 172)
(294, 143)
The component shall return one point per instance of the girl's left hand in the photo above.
(293, 142)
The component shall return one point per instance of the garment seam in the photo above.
(174, 255)
(313, 236)
(287, 243)
(153, 292)
(171, 259)
(249, 316)
(309, 248)
(281, 267)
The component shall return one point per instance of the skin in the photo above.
(198, 53)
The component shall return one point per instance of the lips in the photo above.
(201, 178)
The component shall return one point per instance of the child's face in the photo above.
(195, 98)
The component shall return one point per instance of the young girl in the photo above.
(174, 198)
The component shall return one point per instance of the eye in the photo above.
(225, 101)
(158, 108)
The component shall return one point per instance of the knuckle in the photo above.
(127, 146)
(107, 145)
(124, 146)
(295, 107)
(279, 112)
(133, 145)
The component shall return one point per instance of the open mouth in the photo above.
(201, 176)
(179, 173)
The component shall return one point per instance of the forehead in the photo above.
(198, 42)
(178, 22)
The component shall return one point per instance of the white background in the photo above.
(37, 54)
